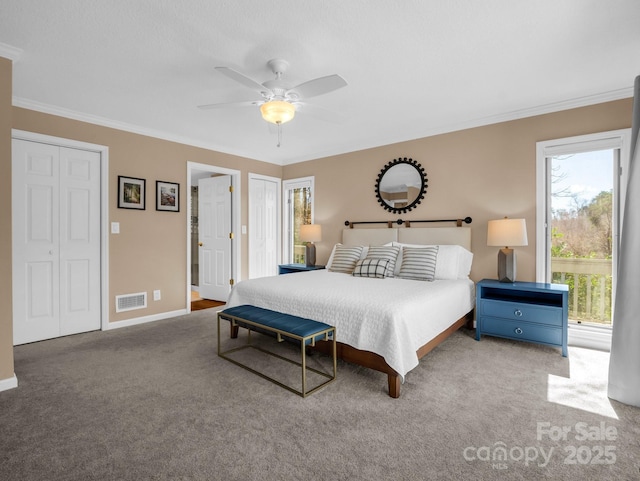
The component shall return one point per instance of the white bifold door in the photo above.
(56, 241)
(264, 225)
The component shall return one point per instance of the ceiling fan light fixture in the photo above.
(277, 111)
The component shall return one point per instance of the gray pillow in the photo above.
(385, 252)
(419, 263)
(345, 258)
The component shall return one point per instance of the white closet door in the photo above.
(263, 227)
(36, 244)
(79, 241)
(56, 276)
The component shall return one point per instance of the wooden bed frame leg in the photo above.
(233, 330)
(394, 385)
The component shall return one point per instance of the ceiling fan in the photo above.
(279, 101)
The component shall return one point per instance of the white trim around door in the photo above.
(236, 251)
(104, 206)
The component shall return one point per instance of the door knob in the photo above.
(200, 244)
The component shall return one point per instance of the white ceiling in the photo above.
(414, 67)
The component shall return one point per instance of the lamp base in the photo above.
(310, 255)
(506, 265)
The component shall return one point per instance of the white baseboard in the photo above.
(590, 337)
(9, 383)
(142, 320)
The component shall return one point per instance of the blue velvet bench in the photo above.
(282, 327)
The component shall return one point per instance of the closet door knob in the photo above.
(200, 244)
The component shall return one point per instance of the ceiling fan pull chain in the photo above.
(279, 133)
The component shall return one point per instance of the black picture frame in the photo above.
(167, 196)
(131, 193)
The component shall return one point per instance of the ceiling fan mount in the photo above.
(278, 66)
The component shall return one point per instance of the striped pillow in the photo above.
(345, 258)
(385, 252)
(419, 263)
(377, 268)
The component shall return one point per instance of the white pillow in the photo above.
(376, 268)
(454, 261)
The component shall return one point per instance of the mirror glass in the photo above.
(401, 185)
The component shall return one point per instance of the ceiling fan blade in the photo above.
(248, 103)
(243, 79)
(319, 86)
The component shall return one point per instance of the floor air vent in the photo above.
(130, 302)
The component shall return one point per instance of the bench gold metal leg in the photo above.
(280, 334)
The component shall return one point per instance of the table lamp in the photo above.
(310, 233)
(507, 233)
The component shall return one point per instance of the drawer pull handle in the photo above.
(518, 330)
(517, 313)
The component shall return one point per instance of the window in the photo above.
(298, 210)
(580, 184)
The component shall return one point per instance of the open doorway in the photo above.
(195, 267)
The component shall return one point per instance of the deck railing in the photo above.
(590, 287)
(299, 252)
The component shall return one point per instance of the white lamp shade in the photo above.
(507, 233)
(311, 233)
(277, 111)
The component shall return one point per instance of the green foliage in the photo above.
(586, 232)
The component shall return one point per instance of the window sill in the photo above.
(591, 337)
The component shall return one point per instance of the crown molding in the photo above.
(131, 128)
(337, 150)
(527, 112)
(481, 122)
(12, 53)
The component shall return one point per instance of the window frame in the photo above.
(288, 186)
(582, 335)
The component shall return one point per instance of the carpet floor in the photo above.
(155, 402)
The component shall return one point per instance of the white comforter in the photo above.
(391, 317)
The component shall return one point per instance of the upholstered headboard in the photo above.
(413, 235)
(369, 237)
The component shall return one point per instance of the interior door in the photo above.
(263, 227)
(79, 241)
(214, 239)
(56, 241)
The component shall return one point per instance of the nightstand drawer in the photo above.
(522, 312)
(521, 330)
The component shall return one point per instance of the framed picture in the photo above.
(167, 196)
(131, 193)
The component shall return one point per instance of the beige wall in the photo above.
(485, 173)
(150, 251)
(6, 310)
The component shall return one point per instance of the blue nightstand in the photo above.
(526, 311)
(291, 268)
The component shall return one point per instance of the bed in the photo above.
(386, 324)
